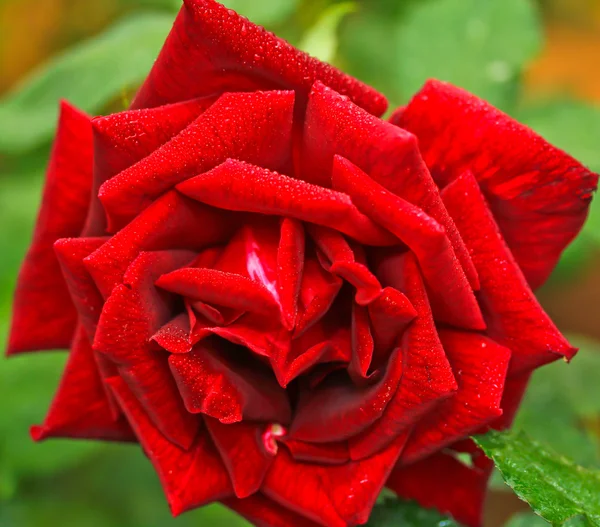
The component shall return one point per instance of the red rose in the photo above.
(286, 300)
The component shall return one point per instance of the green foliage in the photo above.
(555, 487)
(265, 13)
(480, 45)
(560, 399)
(89, 75)
(393, 512)
(321, 40)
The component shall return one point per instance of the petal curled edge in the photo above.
(211, 50)
(43, 314)
(80, 408)
(514, 317)
(235, 185)
(190, 478)
(228, 129)
(538, 194)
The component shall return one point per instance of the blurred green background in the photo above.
(537, 60)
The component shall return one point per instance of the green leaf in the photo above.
(265, 13)
(529, 519)
(556, 488)
(89, 75)
(321, 40)
(393, 512)
(480, 45)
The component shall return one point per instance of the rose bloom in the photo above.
(288, 302)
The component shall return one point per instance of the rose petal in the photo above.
(342, 261)
(238, 186)
(320, 453)
(122, 139)
(515, 318)
(80, 408)
(538, 194)
(243, 453)
(190, 478)
(335, 495)
(452, 299)
(221, 382)
(263, 512)
(427, 377)
(334, 125)
(290, 266)
(43, 314)
(227, 289)
(227, 129)
(212, 49)
(131, 315)
(442, 482)
(163, 225)
(337, 409)
(389, 314)
(479, 366)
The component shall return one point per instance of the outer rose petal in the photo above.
(227, 129)
(335, 126)
(479, 365)
(122, 139)
(336, 496)
(211, 50)
(263, 512)
(190, 478)
(513, 314)
(538, 194)
(131, 315)
(43, 314)
(80, 408)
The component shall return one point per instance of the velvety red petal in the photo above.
(122, 139)
(88, 301)
(131, 315)
(43, 315)
(163, 225)
(538, 194)
(243, 452)
(80, 408)
(335, 495)
(389, 314)
(334, 125)
(190, 478)
(362, 344)
(340, 259)
(230, 290)
(221, 382)
(337, 409)
(479, 366)
(263, 512)
(320, 453)
(174, 336)
(427, 377)
(515, 318)
(290, 265)
(318, 291)
(238, 186)
(452, 298)
(211, 49)
(442, 482)
(228, 129)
